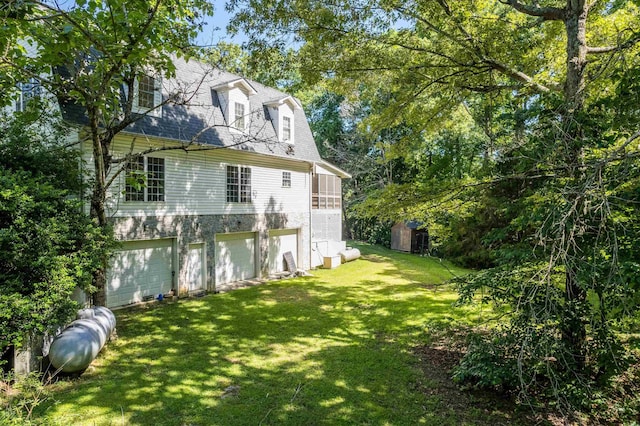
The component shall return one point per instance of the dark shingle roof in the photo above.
(196, 116)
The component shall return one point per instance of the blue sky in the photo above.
(215, 30)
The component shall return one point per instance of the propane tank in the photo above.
(349, 254)
(80, 342)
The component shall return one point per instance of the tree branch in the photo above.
(546, 13)
(608, 49)
(520, 76)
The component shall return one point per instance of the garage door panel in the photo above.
(280, 242)
(139, 269)
(195, 267)
(235, 257)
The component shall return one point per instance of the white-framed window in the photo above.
(239, 115)
(147, 96)
(145, 180)
(238, 184)
(146, 92)
(27, 91)
(286, 129)
(286, 179)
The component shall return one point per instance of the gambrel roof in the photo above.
(196, 115)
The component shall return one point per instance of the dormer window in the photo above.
(238, 122)
(286, 129)
(282, 113)
(146, 92)
(147, 96)
(233, 97)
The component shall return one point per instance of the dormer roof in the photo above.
(289, 100)
(240, 83)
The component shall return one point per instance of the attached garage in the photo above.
(196, 267)
(235, 255)
(280, 242)
(140, 269)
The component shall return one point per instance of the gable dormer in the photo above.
(282, 113)
(233, 97)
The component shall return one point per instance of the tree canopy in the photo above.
(515, 121)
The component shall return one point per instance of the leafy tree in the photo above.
(48, 246)
(88, 54)
(550, 153)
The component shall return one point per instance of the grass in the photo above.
(335, 348)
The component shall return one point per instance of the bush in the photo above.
(48, 246)
(19, 397)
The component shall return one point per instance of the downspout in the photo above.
(310, 197)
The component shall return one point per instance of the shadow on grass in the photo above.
(335, 348)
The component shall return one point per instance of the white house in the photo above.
(250, 187)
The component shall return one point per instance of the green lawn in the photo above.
(334, 348)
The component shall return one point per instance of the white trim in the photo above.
(289, 100)
(240, 83)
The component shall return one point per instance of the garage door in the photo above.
(280, 242)
(141, 268)
(195, 267)
(235, 257)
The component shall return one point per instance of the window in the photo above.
(28, 91)
(145, 179)
(286, 129)
(326, 192)
(155, 179)
(238, 121)
(286, 179)
(146, 92)
(238, 184)
(135, 180)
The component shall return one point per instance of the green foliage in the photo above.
(520, 153)
(48, 246)
(19, 396)
(272, 68)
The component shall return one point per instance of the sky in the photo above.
(215, 29)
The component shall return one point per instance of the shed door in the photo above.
(141, 268)
(235, 257)
(195, 267)
(280, 242)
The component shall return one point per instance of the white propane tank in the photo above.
(349, 254)
(79, 343)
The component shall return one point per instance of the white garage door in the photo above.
(280, 242)
(141, 268)
(235, 257)
(195, 267)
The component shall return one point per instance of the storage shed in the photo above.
(408, 237)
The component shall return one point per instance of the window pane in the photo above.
(146, 91)
(28, 91)
(286, 129)
(245, 185)
(286, 179)
(239, 116)
(155, 179)
(135, 180)
(232, 184)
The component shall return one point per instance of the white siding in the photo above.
(195, 184)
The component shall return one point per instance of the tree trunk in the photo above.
(573, 327)
(98, 200)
